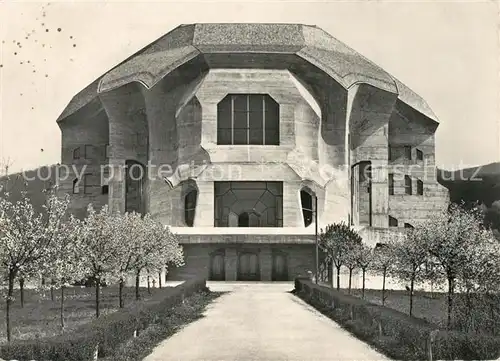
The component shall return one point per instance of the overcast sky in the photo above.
(445, 51)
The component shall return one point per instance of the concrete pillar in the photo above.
(205, 205)
(265, 263)
(231, 265)
(116, 200)
(380, 194)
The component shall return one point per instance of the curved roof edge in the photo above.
(156, 60)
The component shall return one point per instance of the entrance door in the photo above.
(280, 269)
(217, 269)
(248, 267)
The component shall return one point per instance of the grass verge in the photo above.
(136, 349)
(394, 333)
(40, 316)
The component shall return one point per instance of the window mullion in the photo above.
(248, 119)
(232, 120)
(263, 120)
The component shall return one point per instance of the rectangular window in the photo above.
(393, 222)
(76, 153)
(107, 151)
(420, 187)
(89, 151)
(248, 119)
(391, 184)
(87, 183)
(389, 152)
(408, 188)
(76, 186)
(407, 150)
(420, 155)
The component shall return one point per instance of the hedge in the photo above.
(102, 335)
(397, 334)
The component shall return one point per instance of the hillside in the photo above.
(480, 183)
(33, 182)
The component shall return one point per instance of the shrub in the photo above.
(399, 335)
(107, 331)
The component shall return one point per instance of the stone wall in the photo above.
(86, 130)
(408, 128)
(300, 259)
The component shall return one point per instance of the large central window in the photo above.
(248, 119)
(248, 204)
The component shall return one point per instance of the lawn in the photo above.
(40, 316)
(426, 305)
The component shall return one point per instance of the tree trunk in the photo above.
(149, 287)
(338, 277)
(137, 284)
(62, 307)
(350, 279)
(363, 292)
(10, 293)
(383, 286)
(450, 300)
(411, 295)
(52, 291)
(120, 291)
(468, 305)
(97, 296)
(21, 288)
(159, 279)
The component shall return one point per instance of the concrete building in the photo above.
(228, 133)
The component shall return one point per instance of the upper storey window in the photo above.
(248, 119)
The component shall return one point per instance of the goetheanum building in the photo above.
(234, 135)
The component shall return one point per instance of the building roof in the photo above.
(186, 42)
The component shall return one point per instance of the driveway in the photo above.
(262, 321)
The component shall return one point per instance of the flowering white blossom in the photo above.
(27, 238)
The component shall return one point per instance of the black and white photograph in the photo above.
(283, 180)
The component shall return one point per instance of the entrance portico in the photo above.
(246, 256)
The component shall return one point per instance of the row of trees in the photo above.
(453, 249)
(53, 245)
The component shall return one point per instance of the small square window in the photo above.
(393, 222)
(105, 189)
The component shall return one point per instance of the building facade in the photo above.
(240, 136)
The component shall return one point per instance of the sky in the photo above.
(447, 52)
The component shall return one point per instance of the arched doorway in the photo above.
(279, 267)
(248, 266)
(244, 220)
(217, 266)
